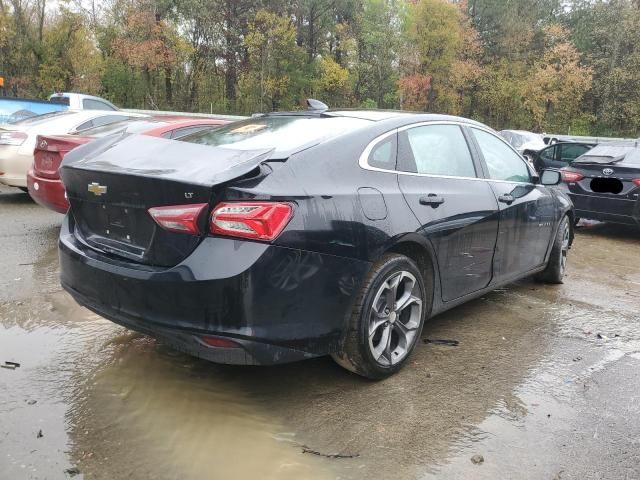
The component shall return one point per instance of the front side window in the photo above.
(438, 150)
(502, 162)
(548, 154)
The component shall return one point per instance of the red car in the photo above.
(43, 180)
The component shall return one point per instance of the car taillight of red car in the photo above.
(49, 152)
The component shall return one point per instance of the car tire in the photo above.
(556, 267)
(382, 334)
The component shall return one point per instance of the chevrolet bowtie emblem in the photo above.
(97, 189)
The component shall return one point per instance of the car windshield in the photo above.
(283, 133)
(611, 154)
(132, 125)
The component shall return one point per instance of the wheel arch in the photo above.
(418, 249)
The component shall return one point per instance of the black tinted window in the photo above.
(548, 154)
(503, 163)
(284, 133)
(569, 152)
(439, 150)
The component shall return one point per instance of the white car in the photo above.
(80, 101)
(526, 143)
(18, 140)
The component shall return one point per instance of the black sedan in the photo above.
(559, 154)
(293, 235)
(604, 183)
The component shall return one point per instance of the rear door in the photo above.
(457, 210)
(527, 211)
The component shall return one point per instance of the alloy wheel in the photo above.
(394, 319)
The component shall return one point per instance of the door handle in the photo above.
(506, 198)
(432, 199)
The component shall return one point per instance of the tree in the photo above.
(441, 60)
(276, 63)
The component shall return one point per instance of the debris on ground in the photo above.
(306, 449)
(73, 471)
(577, 359)
(10, 365)
(439, 341)
(602, 337)
(31, 402)
(477, 459)
(39, 435)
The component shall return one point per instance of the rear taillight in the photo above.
(570, 177)
(179, 218)
(219, 342)
(12, 138)
(636, 181)
(254, 220)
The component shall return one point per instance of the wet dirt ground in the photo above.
(544, 384)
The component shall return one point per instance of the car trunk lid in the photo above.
(113, 182)
(50, 150)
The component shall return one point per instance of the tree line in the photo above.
(549, 65)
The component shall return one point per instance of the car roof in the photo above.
(402, 117)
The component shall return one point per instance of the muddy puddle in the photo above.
(542, 383)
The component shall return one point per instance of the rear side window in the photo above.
(91, 104)
(438, 150)
(503, 163)
(285, 134)
(569, 152)
(383, 154)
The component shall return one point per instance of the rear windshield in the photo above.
(62, 99)
(610, 154)
(41, 118)
(132, 125)
(285, 134)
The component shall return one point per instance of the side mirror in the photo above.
(550, 177)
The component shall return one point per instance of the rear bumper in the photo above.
(607, 208)
(13, 166)
(47, 192)
(277, 303)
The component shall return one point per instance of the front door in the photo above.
(457, 211)
(527, 212)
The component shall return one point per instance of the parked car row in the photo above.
(18, 140)
(602, 180)
(43, 179)
(293, 235)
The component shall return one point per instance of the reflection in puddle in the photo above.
(185, 419)
(131, 407)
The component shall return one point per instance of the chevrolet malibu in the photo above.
(294, 235)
